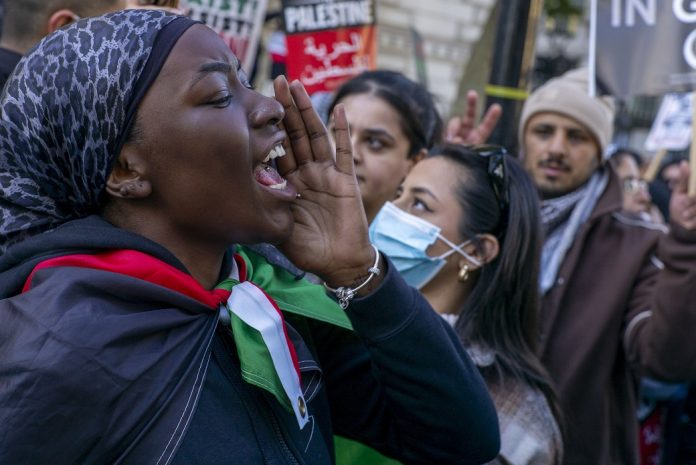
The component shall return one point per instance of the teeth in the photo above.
(276, 152)
(280, 186)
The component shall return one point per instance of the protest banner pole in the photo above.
(592, 58)
(654, 165)
(513, 58)
(692, 149)
(250, 55)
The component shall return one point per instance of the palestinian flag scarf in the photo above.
(250, 300)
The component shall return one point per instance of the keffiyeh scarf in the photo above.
(562, 217)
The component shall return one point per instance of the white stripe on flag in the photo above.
(252, 306)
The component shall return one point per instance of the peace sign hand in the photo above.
(461, 130)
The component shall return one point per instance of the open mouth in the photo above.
(266, 174)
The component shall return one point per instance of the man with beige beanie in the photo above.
(618, 292)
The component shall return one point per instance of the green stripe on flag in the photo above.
(349, 452)
(292, 295)
(255, 360)
(295, 296)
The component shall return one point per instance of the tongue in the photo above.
(267, 175)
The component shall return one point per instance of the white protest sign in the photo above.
(238, 22)
(671, 129)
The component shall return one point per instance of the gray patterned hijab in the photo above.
(65, 112)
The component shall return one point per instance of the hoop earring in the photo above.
(463, 273)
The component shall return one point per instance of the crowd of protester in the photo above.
(194, 273)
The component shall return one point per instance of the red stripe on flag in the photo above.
(141, 266)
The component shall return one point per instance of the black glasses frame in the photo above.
(634, 185)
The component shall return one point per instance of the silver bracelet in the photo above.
(346, 294)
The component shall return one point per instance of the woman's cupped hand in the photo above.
(330, 236)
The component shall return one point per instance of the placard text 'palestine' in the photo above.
(333, 15)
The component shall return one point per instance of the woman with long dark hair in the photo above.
(465, 231)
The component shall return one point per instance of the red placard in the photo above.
(329, 42)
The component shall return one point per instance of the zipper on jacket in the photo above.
(281, 439)
(284, 448)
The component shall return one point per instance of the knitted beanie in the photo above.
(568, 96)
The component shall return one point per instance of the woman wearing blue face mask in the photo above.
(405, 238)
(464, 229)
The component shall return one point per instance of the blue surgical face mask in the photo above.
(404, 238)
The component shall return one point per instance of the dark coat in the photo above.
(102, 368)
(612, 316)
(8, 62)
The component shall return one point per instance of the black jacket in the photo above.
(102, 368)
(8, 62)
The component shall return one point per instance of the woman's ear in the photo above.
(127, 179)
(415, 159)
(61, 18)
(419, 156)
(485, 251)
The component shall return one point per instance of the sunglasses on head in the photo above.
(497, 171)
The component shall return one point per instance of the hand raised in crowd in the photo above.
(682, 207)
(461, 130)
(330, 234)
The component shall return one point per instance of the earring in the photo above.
(123, 191)
(463, 273)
